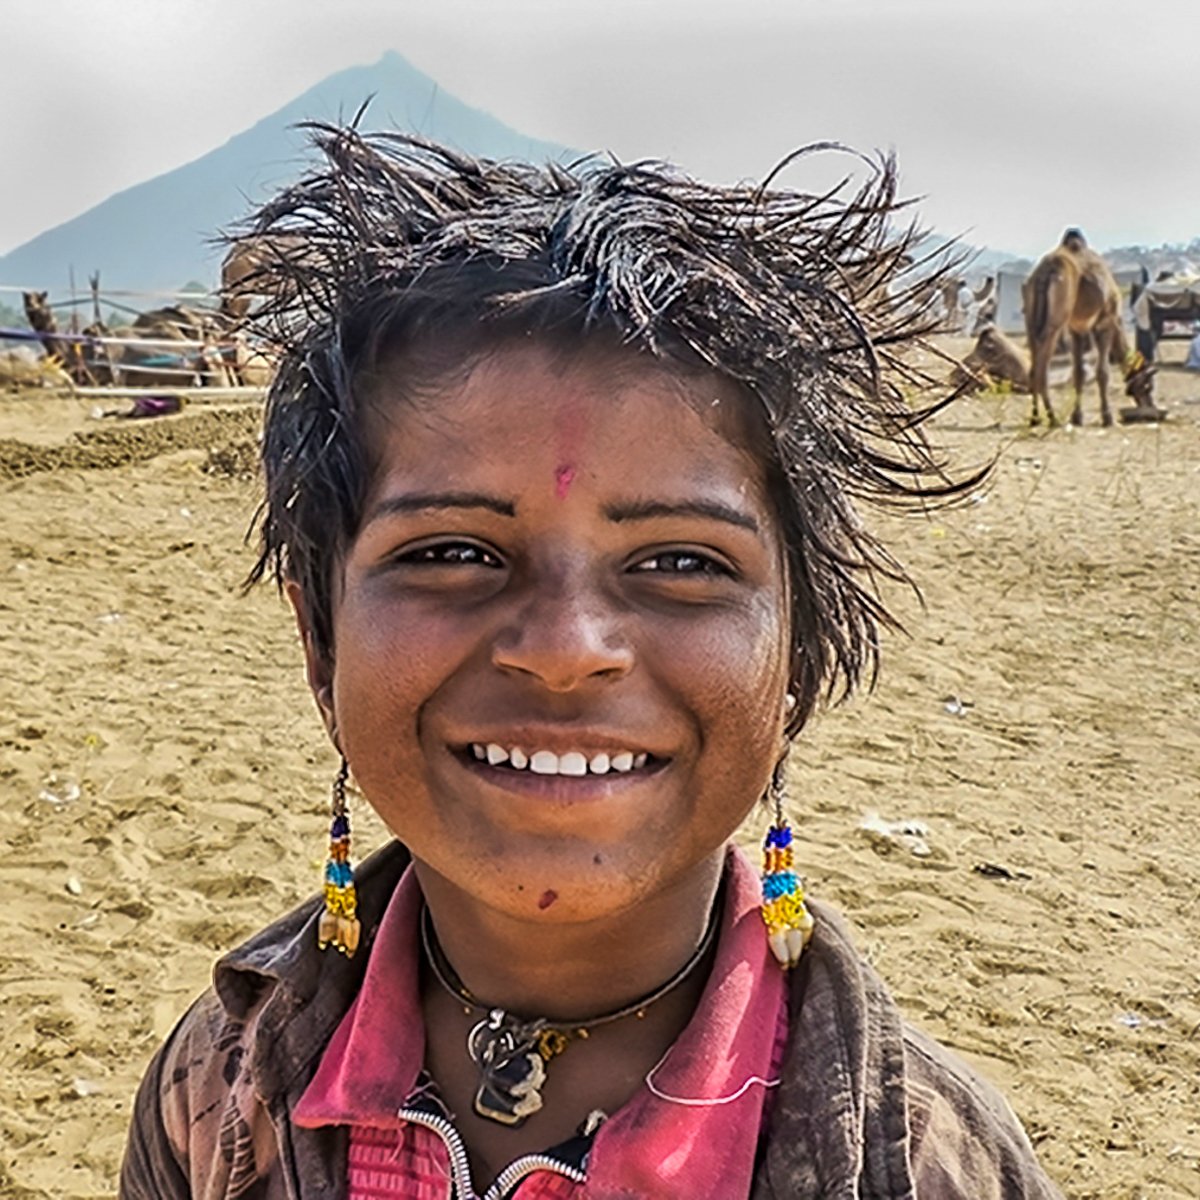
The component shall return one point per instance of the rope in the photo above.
(12, 287)
(32, 335)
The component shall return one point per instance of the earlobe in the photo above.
(317, 666)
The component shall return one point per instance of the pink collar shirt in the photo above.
(692, 1129)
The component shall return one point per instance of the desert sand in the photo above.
(164, 776)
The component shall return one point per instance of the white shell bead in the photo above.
(779, 947)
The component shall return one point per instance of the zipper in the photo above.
(460, 1164)
(519, 1168)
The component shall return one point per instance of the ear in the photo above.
(318, 666)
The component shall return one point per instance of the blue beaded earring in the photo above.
(339, 925)
(786, 916)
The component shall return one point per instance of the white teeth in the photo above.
(572, 763)
(546, 762)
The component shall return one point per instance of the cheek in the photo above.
(741, 670)
(388, 661)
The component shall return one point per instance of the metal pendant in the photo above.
(512, 1069)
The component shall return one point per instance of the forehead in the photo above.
(534, 410)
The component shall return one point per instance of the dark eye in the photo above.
(451, 554)
(682, 562)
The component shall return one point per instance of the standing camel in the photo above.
(1072, 290)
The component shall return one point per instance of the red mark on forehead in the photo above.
(571, 430)
(563, 478)
(547, 898)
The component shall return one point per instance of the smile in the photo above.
(574, 762)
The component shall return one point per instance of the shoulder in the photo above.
(196, 1104)
(965, 1140)
(868, 1100)
(202, 1124)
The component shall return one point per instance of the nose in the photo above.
(564, 634)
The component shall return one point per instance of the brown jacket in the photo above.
(869, 1109)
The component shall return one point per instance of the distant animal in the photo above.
(144, 353)
(68, 354)
(995, 358)
(176, 321)
(985, 305)
(251, 368)
(1072, 290)
(132, 357)
(246, 272)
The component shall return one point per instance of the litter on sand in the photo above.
(887, 835)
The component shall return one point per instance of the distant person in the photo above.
(1146, 339)
(1193, 355)
(964, 303)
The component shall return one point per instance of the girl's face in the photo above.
(561, 634)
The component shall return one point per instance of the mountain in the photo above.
(155, 235)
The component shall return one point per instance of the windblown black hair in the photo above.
(801, 299)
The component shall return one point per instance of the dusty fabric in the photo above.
(729, 1053)
(868, 1109)
(1175, 297)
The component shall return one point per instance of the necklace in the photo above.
(512, 1053)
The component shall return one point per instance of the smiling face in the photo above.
(560, 634)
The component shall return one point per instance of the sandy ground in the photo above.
(163, 776)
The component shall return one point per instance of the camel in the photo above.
(1072, 290)
(68, 354)
(247, 266)
(995, 358)
(250, 368)
(93, 363)
(120, 363)
(177, 323)
(155, 363)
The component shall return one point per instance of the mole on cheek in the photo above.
(563, 478)
(547, 898)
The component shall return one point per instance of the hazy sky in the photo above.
(1014, 119)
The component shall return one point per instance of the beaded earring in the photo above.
(788, 921)
(339, 923)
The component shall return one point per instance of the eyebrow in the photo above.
(713, 510)
(422, 501)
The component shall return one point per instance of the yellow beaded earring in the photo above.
(786, 916)
(339, 923)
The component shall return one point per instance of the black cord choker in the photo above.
(512, 1053)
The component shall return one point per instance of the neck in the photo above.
(570, 970)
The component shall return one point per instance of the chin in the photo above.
(583, 883)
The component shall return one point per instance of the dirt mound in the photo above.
(130, 442)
